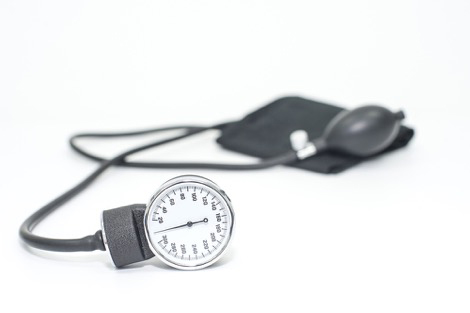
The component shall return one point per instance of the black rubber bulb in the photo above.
(361, 132)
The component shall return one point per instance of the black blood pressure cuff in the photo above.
(265, 133)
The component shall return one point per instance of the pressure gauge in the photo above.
(189, 222)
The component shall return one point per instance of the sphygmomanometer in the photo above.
(188, 222)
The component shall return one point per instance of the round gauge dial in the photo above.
(189, 222)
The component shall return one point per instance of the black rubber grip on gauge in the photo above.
(124, 234)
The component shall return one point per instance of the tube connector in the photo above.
(300, 143)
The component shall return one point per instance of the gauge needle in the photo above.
(188, 224)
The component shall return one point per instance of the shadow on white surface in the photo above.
(104, 258)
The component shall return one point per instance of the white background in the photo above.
(391, 235)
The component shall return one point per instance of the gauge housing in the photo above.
(154, 211)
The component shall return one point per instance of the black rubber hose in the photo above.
(95, 242)
(286, 158)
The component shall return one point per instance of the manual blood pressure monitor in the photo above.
(189, 221)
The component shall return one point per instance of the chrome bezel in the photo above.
(189, 179)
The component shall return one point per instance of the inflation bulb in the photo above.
(361, 132)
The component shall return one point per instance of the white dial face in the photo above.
(189, 222)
